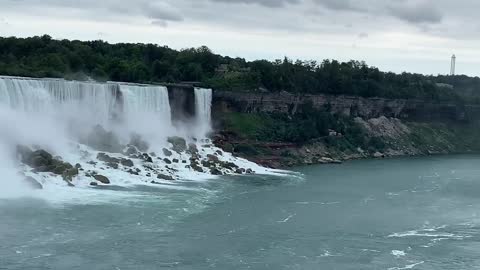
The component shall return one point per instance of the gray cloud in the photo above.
(411, 11)
(160, 23)
(162, 11)
(266, 3)
(416, 12)
(155, 9)
(338, 5)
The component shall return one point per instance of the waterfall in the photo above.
(146, 99)
(136, 140)
(203, 109)
(93, 101)
(147, 112)
(83, 104)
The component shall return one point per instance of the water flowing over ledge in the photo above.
(115, 133)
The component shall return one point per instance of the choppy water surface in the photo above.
(379, 214)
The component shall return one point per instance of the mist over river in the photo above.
(418, 213)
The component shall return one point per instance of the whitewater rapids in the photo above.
(57, 115)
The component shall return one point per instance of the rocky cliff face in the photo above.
(391, 127)
(182, 101)
(367, 108)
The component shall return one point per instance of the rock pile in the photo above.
(42, 161)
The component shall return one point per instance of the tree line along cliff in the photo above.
(43, 56)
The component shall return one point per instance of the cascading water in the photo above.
(203, 108)
(32, 95)
(77, 120)
(146, 99)
(146, 111)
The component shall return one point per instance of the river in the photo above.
(416, 213)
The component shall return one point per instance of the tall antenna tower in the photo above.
(452, 66)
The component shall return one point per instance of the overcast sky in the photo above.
(394, 35)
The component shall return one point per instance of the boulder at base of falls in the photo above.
(179, 144)
(192, 149)
(42, 161)
(165, 177)
(215, 171)
(103, 140)
(126, 162)
(130, 171)
(137, 141)
(32, 183)
(34, 159)
(147, 158)
(196, 167)
(102, 179)
(240, 171)
(229, 166)
(131, 151)
(68, 175)
(107, 159)
(167, 152)
(213, 158)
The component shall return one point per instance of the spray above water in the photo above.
(131, 124)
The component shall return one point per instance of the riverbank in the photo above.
(380, 137)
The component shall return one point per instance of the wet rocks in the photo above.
(132, 172)
(167, 152)
(196, 167)
(168, 161)
(131, 151)
(215, 171)
(213, 158)
(126, 162)
(378, 155)
(192, 149)
(147, 158)
(102, 179)
(179, 144)
(229, 166)
(165, 177)
(42, 161)
(110, 161)
(106, 158)
(240, 171)
(69, 174)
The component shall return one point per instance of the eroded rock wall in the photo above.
(366, 108)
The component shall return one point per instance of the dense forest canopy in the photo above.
(149, 63)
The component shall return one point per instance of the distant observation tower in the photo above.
(452, 66)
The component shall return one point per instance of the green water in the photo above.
(417, 213)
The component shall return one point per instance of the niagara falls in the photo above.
(239, 135)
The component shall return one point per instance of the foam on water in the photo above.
(56, 114)
(409, 266)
